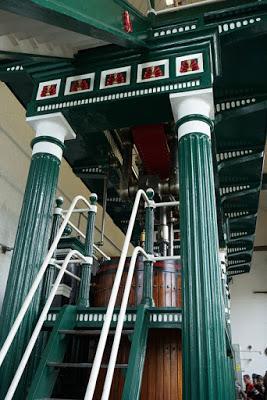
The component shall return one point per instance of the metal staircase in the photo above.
(65, 351)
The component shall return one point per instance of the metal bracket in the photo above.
(88, 260)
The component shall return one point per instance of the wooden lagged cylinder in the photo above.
(166, 284)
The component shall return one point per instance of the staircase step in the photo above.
(91, 332)
(81, 365)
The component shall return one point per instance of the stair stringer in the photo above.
(45, 377)
(134, 374)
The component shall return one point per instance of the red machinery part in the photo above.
(151, 143)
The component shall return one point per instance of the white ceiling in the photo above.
(142, 5)
(25, 35)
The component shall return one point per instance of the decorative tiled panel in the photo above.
(115, 77)
(79, 83)
(152, 71)
(48, 90)
(189, 64)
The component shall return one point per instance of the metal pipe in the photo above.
(147, 297)
(171, 236)
(38, 327)
(163, 232)
(104, 211)
(108, 317)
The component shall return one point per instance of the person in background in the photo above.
(240, 393)
(251, 391)
(254, 378)
(265, 384)
(259, 385)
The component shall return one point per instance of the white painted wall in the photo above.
(15, 155)
(249, 315)
(249, 310)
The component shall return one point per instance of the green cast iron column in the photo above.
(50, 274)
(33, 234)
(203, 324)
(149, 249)
(84, 290)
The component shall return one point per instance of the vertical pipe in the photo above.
(104, 210)
(163, 232)
(84, 291)
(149, 249)
(171, 236)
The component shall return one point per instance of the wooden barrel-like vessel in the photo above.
(162, 376)
(166, 284)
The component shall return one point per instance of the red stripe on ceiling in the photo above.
(152, 146)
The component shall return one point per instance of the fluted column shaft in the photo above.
(34, 228)
(203, 326)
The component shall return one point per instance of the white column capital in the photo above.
(186, 104)
(54, 129)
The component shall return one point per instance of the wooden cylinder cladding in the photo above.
(166, 284)
(162, 379)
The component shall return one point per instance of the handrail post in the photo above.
(84, 291)
(149, 248)
(50, 274)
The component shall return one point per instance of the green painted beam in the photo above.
(101, 19)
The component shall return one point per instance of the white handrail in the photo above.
(117, 337)
(38, 279)
(108, 316)
(119, 327)
(83, 235)
(38, 327)
(68, 272)
(167, 204)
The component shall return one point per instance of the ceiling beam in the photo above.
(101, 19)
